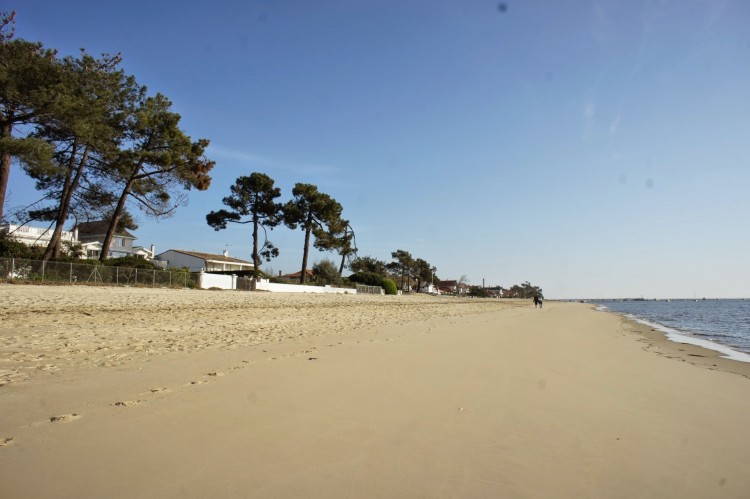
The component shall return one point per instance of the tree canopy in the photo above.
(91, 138)
(30, 82)
(252, 201)
(525, 290)
(157, 161)
(318, 215)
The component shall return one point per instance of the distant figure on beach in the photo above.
(537, 301)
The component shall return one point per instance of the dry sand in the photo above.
(120, 392)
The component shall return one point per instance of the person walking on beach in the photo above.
(537, 301)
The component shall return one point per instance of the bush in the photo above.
(479, 293)
(372, 279)
(10, 248)
(132, 262)
(325, 272)
(367, 278)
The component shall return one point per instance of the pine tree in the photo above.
(30, 81)
(252, 197)
(317, 214)
(156, 161)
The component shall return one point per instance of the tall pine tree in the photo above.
(252, 201)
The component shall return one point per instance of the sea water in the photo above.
(722, 325)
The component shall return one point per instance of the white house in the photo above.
(206, 262)
(91, 235)
(35, 236)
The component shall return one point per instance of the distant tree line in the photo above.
(524, 290)
(408, 272)
(93, 140)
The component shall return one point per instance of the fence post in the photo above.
(135, 281)
(153, 279)
(44, 264)
(71, 272)
(117, 275)
(170, 278)
(12, 268)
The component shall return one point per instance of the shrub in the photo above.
(390, 287)
(325, 272)
(10, 248)
(367, 278)
(132, 262)
(479, 293)
(372, 279)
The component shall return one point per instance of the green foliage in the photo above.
(390, 287)
(7, 25)
(372, 279)
(30, 82)
(525, 290)
(317, 215)
(479, 292)
(326, 273)
(132, 262)
(10, 248)
(252, 197)
(423, 272)
(367, 278)
(369, 264)
(157, 159)
(402, 265)
(84, 128)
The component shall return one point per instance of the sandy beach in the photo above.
(126, 392)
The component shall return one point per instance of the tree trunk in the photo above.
(308, 230)
(116, 217)
(5, 162)
(256, 258)
(70, 186)
(341, 267)
(343, 254)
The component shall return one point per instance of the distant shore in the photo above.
(127, 392)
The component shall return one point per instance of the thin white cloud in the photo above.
(259, 161)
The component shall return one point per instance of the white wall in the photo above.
(266, 285)
(179, 260)
(221, 281)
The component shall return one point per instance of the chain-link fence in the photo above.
(19, 269)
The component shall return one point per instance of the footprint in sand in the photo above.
(64, 418)
(159, 390)
(199, 382)
(6, 441)
(127, 403)
(215, 374)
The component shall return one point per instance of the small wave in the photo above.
(683, 337)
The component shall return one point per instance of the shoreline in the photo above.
(661, 342)
(224, 394)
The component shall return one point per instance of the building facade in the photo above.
(206, 262)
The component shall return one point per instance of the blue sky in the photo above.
(594, 148)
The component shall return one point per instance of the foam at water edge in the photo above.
(679, 337)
